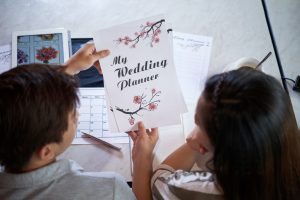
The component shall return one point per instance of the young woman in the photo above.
(245, 124)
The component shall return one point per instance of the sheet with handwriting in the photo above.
(5, 58)
(191, 58)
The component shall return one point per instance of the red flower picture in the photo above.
(46, 53)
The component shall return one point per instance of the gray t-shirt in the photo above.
(63, 179)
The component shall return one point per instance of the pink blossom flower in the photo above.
(126, 42)
(119, 39)
(148, 23)
(156, 40)
(137, 99)
(126, 38)
(152, 106)
(131, 120)
(157, 32)
(136, 33)
(153, 90)
(133, 46)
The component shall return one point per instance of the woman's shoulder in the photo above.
(170, 184)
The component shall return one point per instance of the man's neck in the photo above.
(36, 164)
(32, 165)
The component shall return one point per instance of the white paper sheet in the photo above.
(191, 58)
(140, 76)
(5, 58)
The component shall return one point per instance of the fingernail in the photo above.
(140, 124)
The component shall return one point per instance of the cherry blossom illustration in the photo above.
(46, 53)
(151, 31)
(142, 105)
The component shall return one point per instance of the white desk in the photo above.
(238, 29)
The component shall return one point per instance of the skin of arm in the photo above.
(142, 156)
(182, 158)
(84, 58)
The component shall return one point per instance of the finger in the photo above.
(132, 135)
(98, 67)
(89, 48)
(142, 130)
(101, 54)
(154, 134)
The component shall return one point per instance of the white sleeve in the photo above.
(160, 189)
(167, 183)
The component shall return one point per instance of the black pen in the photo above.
(102, 141)
(263, 60)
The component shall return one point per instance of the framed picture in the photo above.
(91, 76)
(40, 46)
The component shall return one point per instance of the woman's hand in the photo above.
(84, 58)
(144, 142)
(199, 141)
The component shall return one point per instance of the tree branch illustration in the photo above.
(149, 30)
(143, 105)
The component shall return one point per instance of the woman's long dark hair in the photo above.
(249, 120)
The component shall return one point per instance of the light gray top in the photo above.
(63, 179)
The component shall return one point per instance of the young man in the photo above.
(38, 120)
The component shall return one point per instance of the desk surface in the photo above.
(238, 29)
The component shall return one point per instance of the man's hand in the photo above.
(84, 58)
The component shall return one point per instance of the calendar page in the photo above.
(93, 118)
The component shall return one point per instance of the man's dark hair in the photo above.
(249, 119)
(35, 104)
